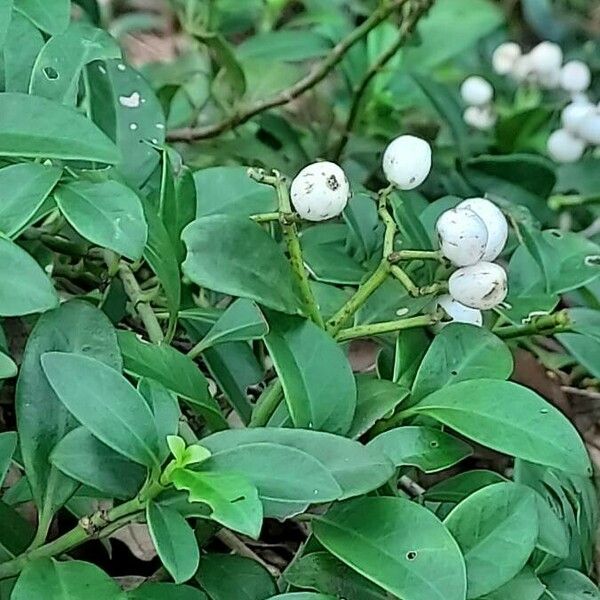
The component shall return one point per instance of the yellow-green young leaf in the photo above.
(23, 189)
(34, 127)
(165, 591)
(233, 255)
(48, 578)
(174, 541)
(509, 418)
(102, 400)
(8, 443)
(106, 213)
(398, 544)
(496, 529)
(26, 288)
(51, 17)
(233, 500)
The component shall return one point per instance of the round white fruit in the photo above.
(320, 191)
(564, 147)
(505, 56)
(463, 236)
(407, 162)
(589, 128)
(459, 313)
(575, 76)
(546, 57)
(523, 69)
(476, 91)
(574, 114)
(495, 223)
(479, 117)
(481, 286)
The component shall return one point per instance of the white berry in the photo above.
(476, 91)
(564, 147)
(575, 76)
(546, 57)
(550, 80)
(522, 69)
(320, 191)
(407, 162)
(482, 286)
(479, 117)
(589, 128)
(495, 223)
(463, 236)
(459, 313)
(505, 56)
(574, 114)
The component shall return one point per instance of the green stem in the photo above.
(402, 276)
(400, 255)
(143, 309)
(542, 325)
(267, 404)
(362, 331)
(270, 217)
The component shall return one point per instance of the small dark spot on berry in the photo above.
(332, 182)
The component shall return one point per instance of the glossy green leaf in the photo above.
(165, 591)
(106, 403)
(8, 368)
(322, 572)
(42, 419)
(397, 544)
(16, 533)
(524, 586)
(8, 443)
(173, 369)
(496, 529)
(34, 127)
(375, 399)
(242, 321)
(317, 379)
(509, 418)
(232, 577)
(568, 584)
(23, 189)
(457, 488)
(286, 45)
(174, 541)
(30, 290)
(106, 213)
(124, 106)
(461, 352)
(58, 67)
(234, 501)
(427, 448)
(48, 578)
(84, 458)
(585, 349)
(235, 256)
(51, 17)
(229, 190)
(6, 7)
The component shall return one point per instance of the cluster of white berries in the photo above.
(472, 236)
(478, 93)
(321, 190)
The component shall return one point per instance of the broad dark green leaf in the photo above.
(30, 290)
(234, 501)
(235, 256)
(286, 45)
(427, 448)
(173, 369)
(58, 67)
(106, 213)
(51, 17)
(457, 488)
(229, 190)
(23, 189)
(585, 349)
(496, 529)
(106, 403)
(232, 577)
(242, 321)
(42, 419)
(124, 106)
(48, 578)
(8, 443)
(165, 591)
(174, 541)
(16, 533)
(397, 544)
(34, 127)
(317, 379)
(568, 584)
(375, 399)
(509, 418)
(84, 458)
(322, 572)
(461, 352)
(524, 586)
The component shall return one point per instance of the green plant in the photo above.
(181, 294)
